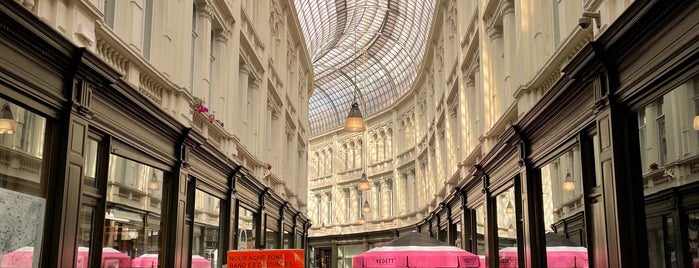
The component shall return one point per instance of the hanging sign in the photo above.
(289, 258)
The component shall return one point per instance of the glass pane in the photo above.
(669, 149)
(364, 65)
(693, 237)
(481, 242)
(563, 206)
(272, 235)
(90, 163)
(22, 195)
(670, 242)
(247, 229)
(506, 228)
(298, 241)
(206, 236)
(87, 216)
(656, 238)
(132, 219)
(287, 239)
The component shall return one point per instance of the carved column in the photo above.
(494, 93)
(510, 48)
(202, 52)
(242, 114)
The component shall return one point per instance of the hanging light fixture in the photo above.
(509, 209)
(366, 208)
(696, 122)
(511, 229)
(355, 120)
(153, 183)
(362, 220)
(568, 183)
(322, 227)
(364, 184)
(7, 121)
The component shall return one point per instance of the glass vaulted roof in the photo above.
(364, 49)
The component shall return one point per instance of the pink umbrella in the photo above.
(415, 250)
(23, 258)
(556, 257)
(151, 260)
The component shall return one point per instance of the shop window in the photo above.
(272, 233)
(481, 242)
(22, 190)
(505, 217)
(693, 237)
(345, 253)
(87, 219)
(668, 140)
(287, 238)
(298, 242)
(207, 231)
(132, 219)
(562, 201)
(247, 229)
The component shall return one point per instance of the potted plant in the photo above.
(653, 166)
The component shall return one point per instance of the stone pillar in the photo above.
(510, 48)
(202, 52)
(256, 119)
(468, 117)
(494, 93)
(242, 103)
(221, 84)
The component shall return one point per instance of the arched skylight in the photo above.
(364, 49)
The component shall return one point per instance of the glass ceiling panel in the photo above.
(368, 50)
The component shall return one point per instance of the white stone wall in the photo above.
(231, 54)
(487, 63)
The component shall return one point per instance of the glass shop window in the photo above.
(693, 237)
(669, 138)
(298, 241)
(22, 191)
(562, 197)
(247, 229)
(272, 235)
(207, 230)
(505, 217)
(288, 236)
(481, 242)
(132, 217)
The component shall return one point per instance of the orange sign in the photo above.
(290, 258)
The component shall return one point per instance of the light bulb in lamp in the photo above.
(364, 184)
(7, 121)
(568, 183)
(354, 121)
(509, 209)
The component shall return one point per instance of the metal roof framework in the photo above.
(368, 50)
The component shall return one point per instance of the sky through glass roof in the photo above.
(364, 49)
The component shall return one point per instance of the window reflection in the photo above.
(506, 228)
(206, 234)
(272, 235)
(693, 236)
(246, 229)
(563, 211)
(22, 195)
(669, 149)
(132, 218)
(481, 242)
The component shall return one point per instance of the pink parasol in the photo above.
(415, 250)
(560, 252)
(151, 260)
(23, 258)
